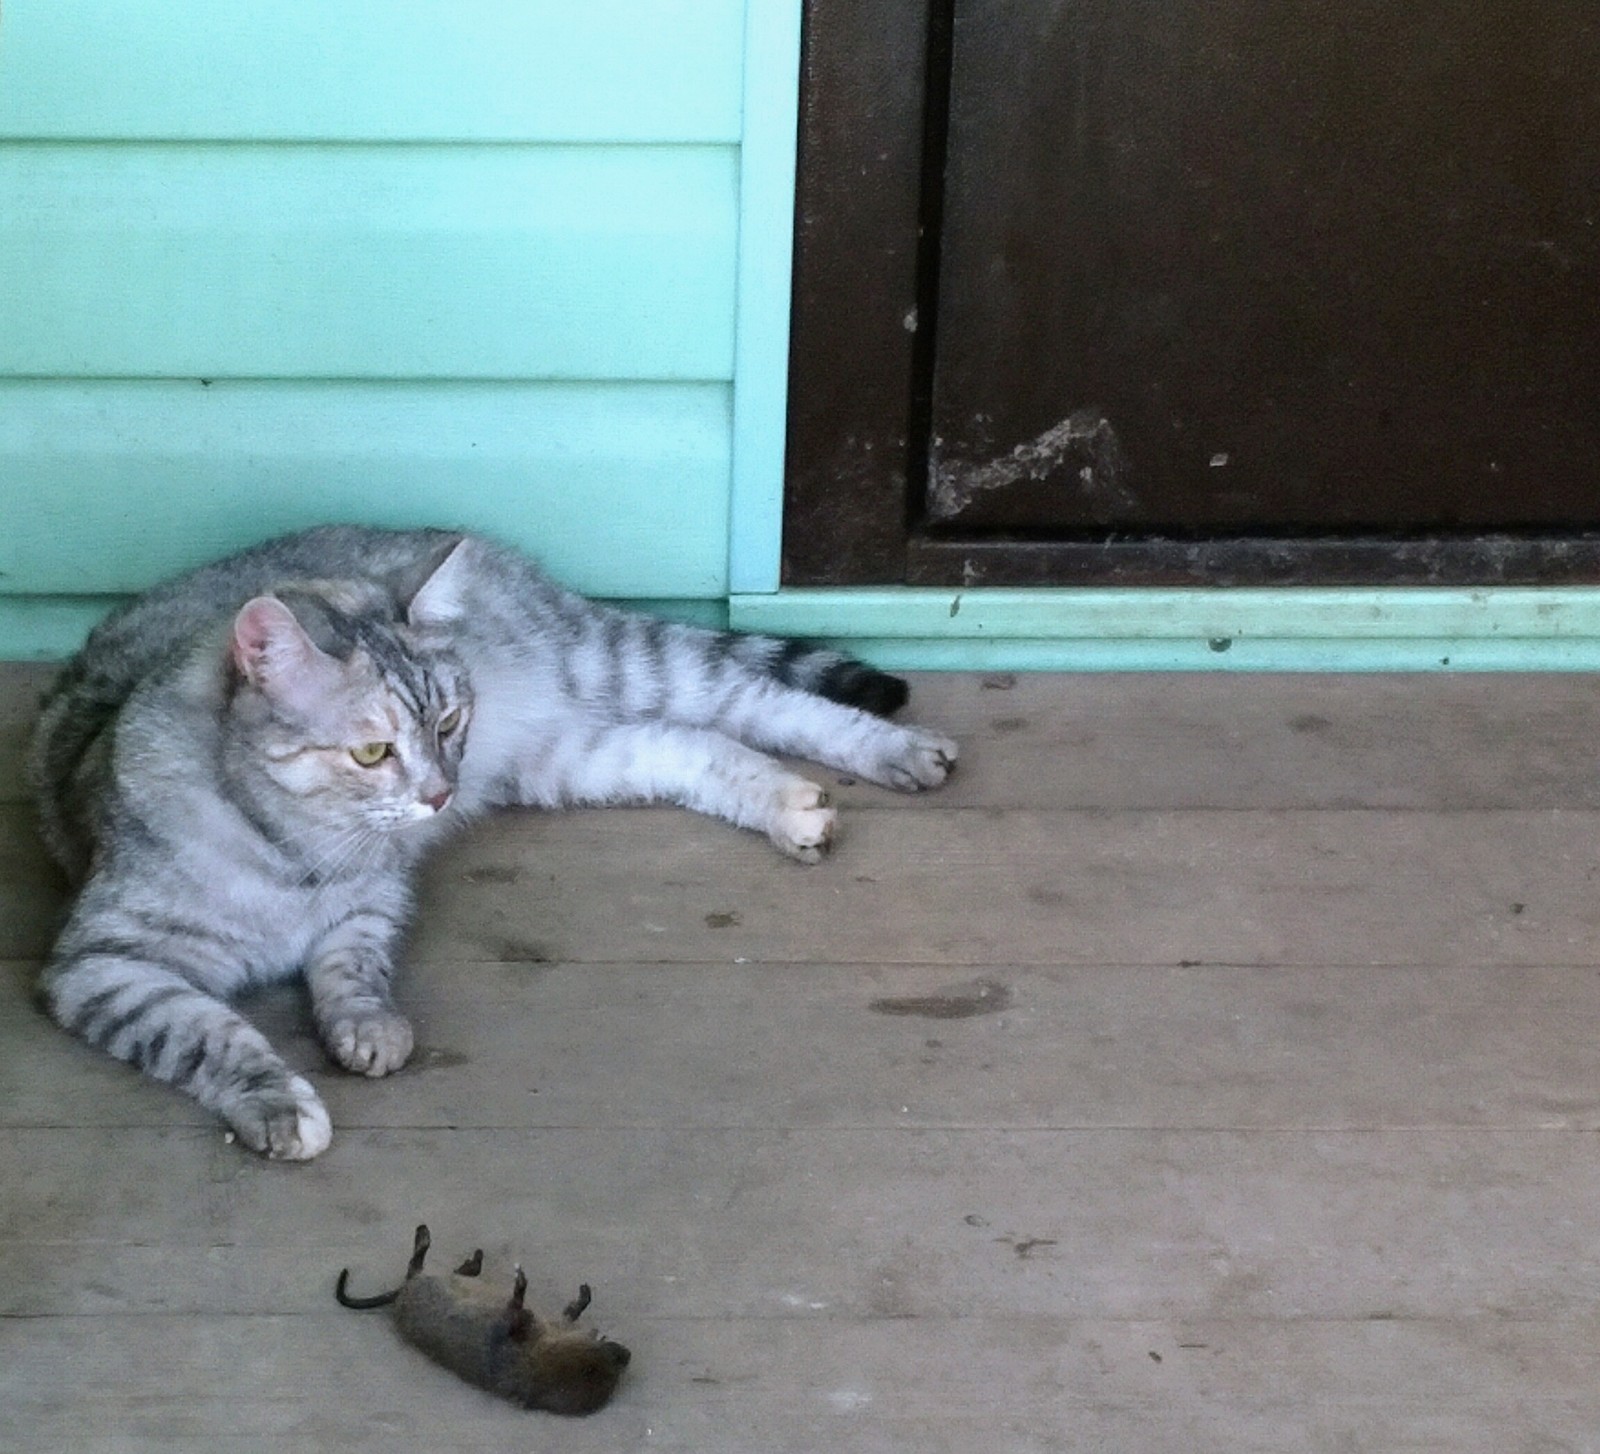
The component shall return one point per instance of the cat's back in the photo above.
(140, 635)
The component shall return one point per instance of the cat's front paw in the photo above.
(803, 825)
(369, 1041)
(919, 760)
(287, 1123)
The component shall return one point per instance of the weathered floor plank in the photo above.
(794, 1385)
(811, 1046)
(862, 1223)
(1055, 887)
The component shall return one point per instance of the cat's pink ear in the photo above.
(273, 651)
(442, 597)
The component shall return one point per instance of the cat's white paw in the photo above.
(369, 1042)
(803, 825)
(287, 1124)
(920, 760)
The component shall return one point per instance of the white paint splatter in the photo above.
(1085, 438)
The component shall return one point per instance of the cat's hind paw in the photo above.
(921, 760)
(804, 824)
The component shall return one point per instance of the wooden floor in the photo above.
(1214, 1066)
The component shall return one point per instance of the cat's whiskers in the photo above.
(337, 850)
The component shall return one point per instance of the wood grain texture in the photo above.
(364, 70)
(897, 1224)
(793, 1385)
(367, 262)
(939, 1146)
(1062, 887)
(649, 462)
(907, 1047)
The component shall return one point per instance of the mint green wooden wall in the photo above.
(520, 265)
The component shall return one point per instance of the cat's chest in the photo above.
(286, 927)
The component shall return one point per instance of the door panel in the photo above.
(1224, 265)
(1258, 290)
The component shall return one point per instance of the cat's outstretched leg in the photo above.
(787, 697)
(777, 718)
(144, 1013)
(611, 762)
(348, 973)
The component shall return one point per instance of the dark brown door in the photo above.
(1205, 290)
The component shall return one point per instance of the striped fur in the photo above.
(198, 768)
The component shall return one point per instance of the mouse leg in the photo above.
(574, 1310)
(419, 1250)
(472, 1266)
(518, 1320)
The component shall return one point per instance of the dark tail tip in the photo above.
(854, 684)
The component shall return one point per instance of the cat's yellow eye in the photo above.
(450, 721)
(370, 754)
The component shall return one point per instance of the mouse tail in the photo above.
(380, 1300)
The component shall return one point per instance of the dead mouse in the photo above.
(495, 1342)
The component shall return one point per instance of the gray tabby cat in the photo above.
(244, 766)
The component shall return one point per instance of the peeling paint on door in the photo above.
(1083, 443)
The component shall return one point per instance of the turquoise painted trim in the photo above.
(1491, 629)
(1163, 614)
(1304, 654)
(766, 243)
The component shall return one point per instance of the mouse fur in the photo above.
(496, 1343)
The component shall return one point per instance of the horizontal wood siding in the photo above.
(643, 468)
(367, 262)
(361, 70)
(458, 261)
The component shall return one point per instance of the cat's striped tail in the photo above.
(822, 671)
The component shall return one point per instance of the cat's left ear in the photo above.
(442, 597)
(271, 648)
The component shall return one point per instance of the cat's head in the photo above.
(349, 710)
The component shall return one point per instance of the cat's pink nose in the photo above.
(438, 801)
